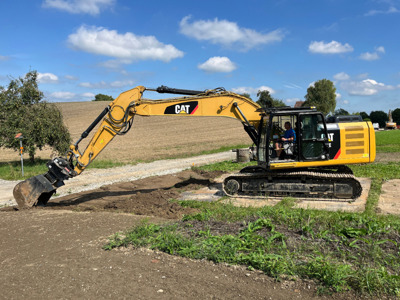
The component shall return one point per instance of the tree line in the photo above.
(377, 116)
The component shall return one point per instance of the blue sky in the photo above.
(82, 48)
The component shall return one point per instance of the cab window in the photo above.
(313, 135)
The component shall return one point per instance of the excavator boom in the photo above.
(117, 119)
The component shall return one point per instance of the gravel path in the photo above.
(95, 178)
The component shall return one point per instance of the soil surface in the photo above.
(56, 251)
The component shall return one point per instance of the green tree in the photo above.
(379, 117)
(24, 111)
(101, 97)
(265, 100)
(322, 95)
(247, 95)
(364, 115)
(341, 112)
(396, 116)
(278, 103)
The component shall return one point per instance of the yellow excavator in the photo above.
(312, 163)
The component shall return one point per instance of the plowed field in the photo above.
(150, 138)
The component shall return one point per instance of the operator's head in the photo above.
(288, 125)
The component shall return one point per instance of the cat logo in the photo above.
(186, 108)
(182, 109)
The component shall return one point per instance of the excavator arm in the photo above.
(117, 119)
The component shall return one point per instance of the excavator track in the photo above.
(313, 185)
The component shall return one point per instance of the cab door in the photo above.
(313, 137)
(263, 143)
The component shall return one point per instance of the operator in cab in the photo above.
(288, 137)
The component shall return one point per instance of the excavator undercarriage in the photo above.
(333, 185)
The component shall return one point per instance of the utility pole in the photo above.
(20, 137)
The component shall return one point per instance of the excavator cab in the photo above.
(310, 139)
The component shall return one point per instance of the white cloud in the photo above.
(369, 56)
(88, 95)
(292, 86)
(217, 64)
(374, 55)
(70, 77)
(118, 83)
(390, 10)
(341, 76)
(380, 49)
(62, 95)
(69, 96)
(292, 100)
(333, 47)
(47, 78)
(101, 84)
(105, 85)
(227, 33)
(3, 58)
(338, 96)
(92, 7)
(366, 87)
(362, 75)
(126, 47)
(111, 64)
(251, 90)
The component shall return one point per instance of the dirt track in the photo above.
(56, 252)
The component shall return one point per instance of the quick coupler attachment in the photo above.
(38, 190)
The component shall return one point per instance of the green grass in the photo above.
(104, 164)
(388, 141)
(384, 171)
(225, 166)
(12, 170)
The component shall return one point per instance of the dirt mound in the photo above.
(147, 197)
(155, 203)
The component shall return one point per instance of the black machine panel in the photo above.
(334, 140)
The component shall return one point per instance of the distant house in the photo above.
(298, 104)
